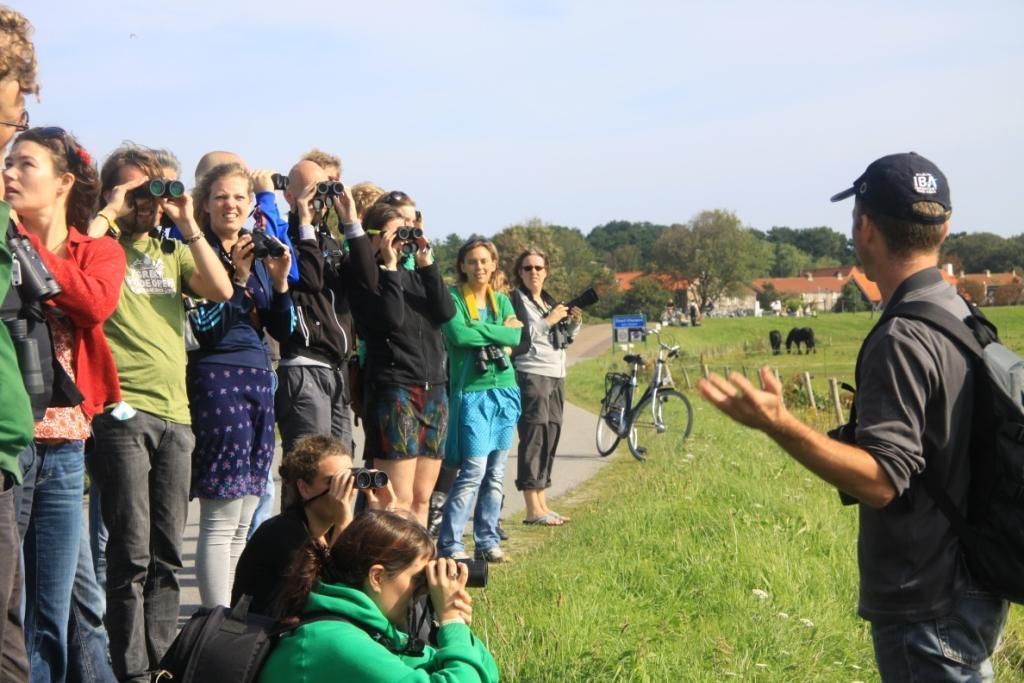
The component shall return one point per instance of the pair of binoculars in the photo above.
(160, 188)
(369, 479)
(280, 181)
(408, 236)
(330, 188)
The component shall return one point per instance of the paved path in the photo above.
(577, 461)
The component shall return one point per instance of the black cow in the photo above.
(798, 336)
(775, 339)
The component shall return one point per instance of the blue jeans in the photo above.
(88, 654)
(481, 477)
(50, 516)
(97, 535)
(956, 647)
(265, 508)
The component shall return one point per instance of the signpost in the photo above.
(627, 329)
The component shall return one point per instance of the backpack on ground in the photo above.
(225, 645)
(992, 534)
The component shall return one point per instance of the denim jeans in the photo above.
(265, 508)
(88, 648)
(956, 647)
(50, 519)
(13, 659)
(143, 467)
(481, 477)
(97, 534)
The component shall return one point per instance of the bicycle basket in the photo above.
(616, 384)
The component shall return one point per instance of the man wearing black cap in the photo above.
(914, 396)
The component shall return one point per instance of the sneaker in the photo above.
(493, 555)
(459, 555)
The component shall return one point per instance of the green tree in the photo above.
(789, 260)
(645, 295)
(714, 252)
(981, 251)
(851, 299)
(822, 244)
(606, 239)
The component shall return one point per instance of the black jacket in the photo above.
(401, 321)
(324, 330)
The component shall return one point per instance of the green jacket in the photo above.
(464, 336)
(330, 651)
(16, 423)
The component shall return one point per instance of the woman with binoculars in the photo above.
(484, 403)
(230, 379)
(540, 372)
(405, 402)
(360, 589)
(51, 182)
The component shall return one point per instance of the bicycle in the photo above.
(661, 407)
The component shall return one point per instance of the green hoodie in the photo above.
(330, 651)
(16, 424)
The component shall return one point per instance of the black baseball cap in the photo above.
(891, 185)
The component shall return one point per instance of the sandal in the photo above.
(561, 517)
(550, 519)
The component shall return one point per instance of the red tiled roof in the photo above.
(993, 279)
(800, 285)
(667, 281)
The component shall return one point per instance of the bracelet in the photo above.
(111, 224)
(241, 283)
(455, 620)
(193, 239)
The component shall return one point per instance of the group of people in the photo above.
(135, 347)
(175, 331)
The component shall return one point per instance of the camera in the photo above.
(29, 272)
(408, 236)
(369, 479)
(477, 573)
(560, 334)
(159, 188)
(265, 245)
(280, 181)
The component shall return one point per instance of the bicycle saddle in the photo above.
(633, 358)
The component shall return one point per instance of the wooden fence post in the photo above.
(686, 377)
(704, 371)
(810, 390)
(833, 389)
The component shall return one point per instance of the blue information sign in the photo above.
(629, 321)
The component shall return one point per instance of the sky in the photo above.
(574, 112)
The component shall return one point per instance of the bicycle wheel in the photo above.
(607, 438)
(671, 417)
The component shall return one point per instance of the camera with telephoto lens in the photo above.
(408, 237)
(27, 349)
(369, 479)
(280, 181)
(477, 573)
(160, 188)
(559, 334)
(265, 245)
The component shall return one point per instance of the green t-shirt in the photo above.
(16, 424)
(146, 332)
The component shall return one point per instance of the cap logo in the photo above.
(863, 188)
(925, 183)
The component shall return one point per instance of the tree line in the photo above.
(714, 250)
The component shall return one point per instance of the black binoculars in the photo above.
(408, 236)
(484, 355)
(369, 479)
(330, 188)
(160, 188)
(265, 245)
(29, 272)
(280, 181)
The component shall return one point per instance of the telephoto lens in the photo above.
(280, 181)
(369, 479)
(27, 349)
(477, 573)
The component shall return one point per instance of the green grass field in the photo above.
(727, 561)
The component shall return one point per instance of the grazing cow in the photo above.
(798, 336)
(775, 339)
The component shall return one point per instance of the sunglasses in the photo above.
(529, 269)
(21, 125)
(395, 197)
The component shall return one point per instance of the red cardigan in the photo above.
(91, 279)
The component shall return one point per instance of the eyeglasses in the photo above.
(529, 269)
(21, 125)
